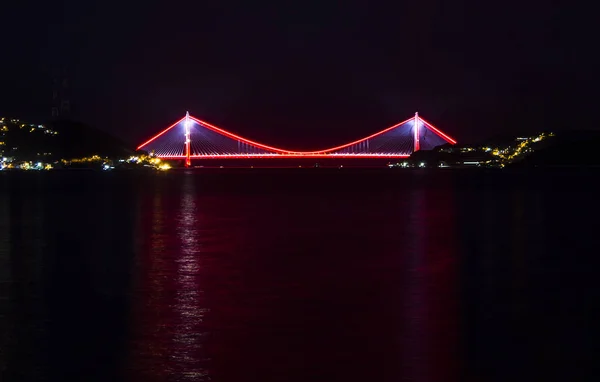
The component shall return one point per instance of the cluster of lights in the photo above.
(32, 127)
(146, 160)
(134, 159)
(503, 155)
(107, 164)
(512, 153)
(38, 166)
(407, 165)
(93, 158)
(6, 125)
(104, 162)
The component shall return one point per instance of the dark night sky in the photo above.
(304, 74)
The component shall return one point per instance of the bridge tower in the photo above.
(416, 133)
(187, 123)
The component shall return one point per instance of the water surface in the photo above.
(298, 275)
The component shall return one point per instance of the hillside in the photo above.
(578, 148)
(57, 140)
(77, 140)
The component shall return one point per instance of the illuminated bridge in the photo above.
(191, 138)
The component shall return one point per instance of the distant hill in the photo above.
(76, 140)
(574, 148)
(57, 140)
(503, 140)
(433, 157)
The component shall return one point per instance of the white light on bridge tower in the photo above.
(187, 123)
(416, 133)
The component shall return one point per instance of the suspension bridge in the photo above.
(191, 138)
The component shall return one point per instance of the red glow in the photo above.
(442, 135)
(159, 134)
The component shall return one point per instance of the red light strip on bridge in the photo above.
(438, 132)
(230, 135)
(161, 133)
(300, 155)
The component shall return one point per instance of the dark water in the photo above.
(299, 275)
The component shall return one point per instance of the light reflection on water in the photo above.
(188, 332)
(430, 287)
(320, 277)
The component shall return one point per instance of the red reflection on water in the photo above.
(430, 351)
(147, 351)
(359, 294)
(188, 333)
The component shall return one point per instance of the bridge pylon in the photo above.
(416, 132)
(187, 123)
